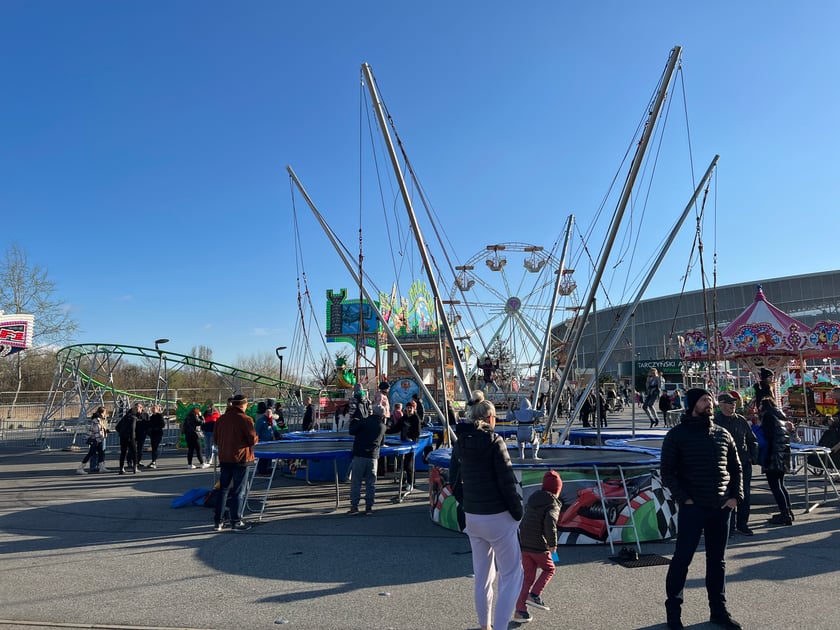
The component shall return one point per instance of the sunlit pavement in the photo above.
(107, 551)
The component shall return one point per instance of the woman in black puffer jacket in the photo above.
(776, 462)
(493, 508)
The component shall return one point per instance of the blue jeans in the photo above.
(231, 483)
(208, 445)
(692, 521)
(485, 384)
(362, 469)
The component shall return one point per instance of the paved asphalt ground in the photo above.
(107, 551)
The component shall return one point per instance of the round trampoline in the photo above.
(423, 446)
(321, 457)
(610, 494)
(318, 435)
(588, 436)
(650, 444)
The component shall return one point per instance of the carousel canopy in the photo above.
(761, 336)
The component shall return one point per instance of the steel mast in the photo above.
(635, 166)
(630, 310)
(415, 226)
(349, 264)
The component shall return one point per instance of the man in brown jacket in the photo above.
(235, 437)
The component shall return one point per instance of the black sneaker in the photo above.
(536, 601)
(725, 621)
(781, 519)
(353, 510)
(522, 616)
(746, 531)
(241, 526)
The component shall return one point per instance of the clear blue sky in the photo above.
(144, 143)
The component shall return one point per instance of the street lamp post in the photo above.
(278, 350)
(161, 375)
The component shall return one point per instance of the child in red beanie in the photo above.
(538, 540)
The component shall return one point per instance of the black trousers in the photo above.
(155, 437)
(128, 449)
(776, 481)
(742, 512)
(692, 522)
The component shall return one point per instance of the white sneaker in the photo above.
(205, 465)
(191, 466)
(103, 468)
(153, 465)
(81, 470)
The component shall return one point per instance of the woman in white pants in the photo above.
(484, 483)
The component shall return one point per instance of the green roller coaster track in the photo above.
(85, 376)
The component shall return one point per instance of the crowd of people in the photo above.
(707, 462)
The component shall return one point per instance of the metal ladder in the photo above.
(606, 511)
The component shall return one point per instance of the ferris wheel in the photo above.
(500, 300)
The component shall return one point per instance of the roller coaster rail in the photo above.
(85, 376)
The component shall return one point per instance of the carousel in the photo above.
(763, 337)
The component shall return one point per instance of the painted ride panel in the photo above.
(584, 515)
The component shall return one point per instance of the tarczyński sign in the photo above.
(663, 365)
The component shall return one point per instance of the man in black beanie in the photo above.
(700, 467)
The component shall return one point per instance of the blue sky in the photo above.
(144, 144)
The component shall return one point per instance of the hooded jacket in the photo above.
(368, 433)
(481, 459)
(538, 529)
(700, 462)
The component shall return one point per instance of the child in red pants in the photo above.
(538, 539)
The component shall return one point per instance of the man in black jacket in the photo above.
(368, 432)
(700, 467)
(747, 446)
(127, 429)
(308, 415)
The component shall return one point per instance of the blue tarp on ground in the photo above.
(196, 496)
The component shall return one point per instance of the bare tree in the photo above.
(28, 289)
(265, 364)
(322, 371)
(196, 376)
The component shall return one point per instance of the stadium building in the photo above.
(659, 322)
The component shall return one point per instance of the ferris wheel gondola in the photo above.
(500, 301)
